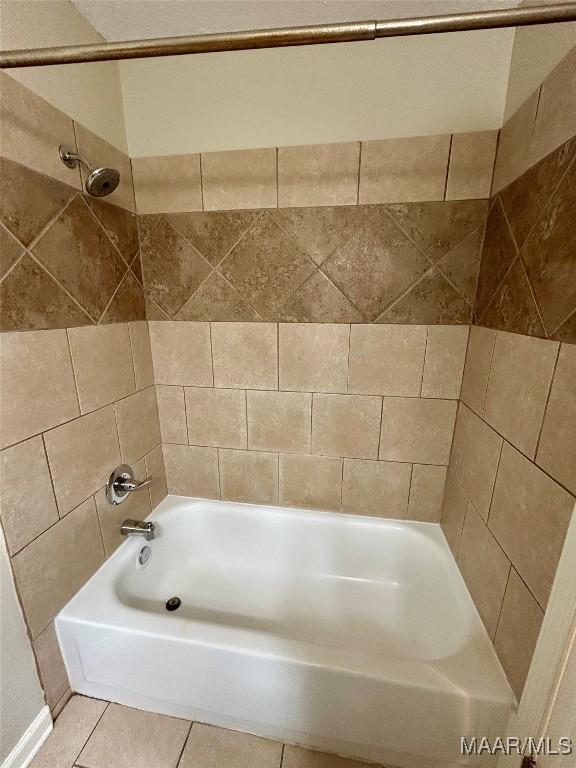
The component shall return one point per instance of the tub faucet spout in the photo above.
(138, 528)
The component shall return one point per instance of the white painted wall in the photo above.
(21, 698)
(90, 93)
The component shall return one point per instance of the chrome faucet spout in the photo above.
(138, 528)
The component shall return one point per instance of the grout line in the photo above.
(277, 178)
(246, 415)
(211, 354)
(425, 358)
(348, 357)
(219, 474)
(93, 729)
(570, 316)
(278, 356)
(51, 480)
(185, 743)
(15, 264)
(492, 351)
(107, 307)
(549, 394)
(63, 288)
(282, 756)
(380, 425)
(359, 172)
(491, 193)
(71, 358)
(448, 167)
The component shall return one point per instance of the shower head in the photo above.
(100, 181)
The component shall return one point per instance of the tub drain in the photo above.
(173, 603)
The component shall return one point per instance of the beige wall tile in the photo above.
(37, 372)
(557, 448)
(245, 355)
(81, 455)
(279, 421)
(417, 430)
(191, 471)
(485, 569)
(518, 386)
(529, 517)
(475, 458)
(454, 506)
(386, 359)
(444, 365)
(100, 153)
(167, 184)
(249, 476)
(318, 174)
(55, 565)
(172, 414)
(298, 757)
(518, 631)
(240, 179)
(313, 482)
(404, 170)
(181, 353)
(426, 493)
(346, 425)
(154, 462)
(50, 665)
(514, 154)
(313, 357)
(471, 165)
(102, 366)
(28, 508)
(477, 368)
(376, 488)
(555, 121)
(216, 417)
(138, 424)
(210, 747)
(141, 354)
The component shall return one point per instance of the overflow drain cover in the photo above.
(173, 603)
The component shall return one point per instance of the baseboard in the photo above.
(30, 741)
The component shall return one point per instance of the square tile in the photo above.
(249, 476)
(216, 417)
(514, 154)
(556, 108)
(167, 183)
(426, 493)
(386, 359)
(172, 414)
(239, 179)
(318, 174)
(312, 482)
(279, 421)
(245, 355)
(210, 747)
(50, 665)
(376, 488)
(138, 424)
(298, 757)
(131, 738)
(417, 430)
(477, 368)
(346, 425)
(141, 354)
(471, 165)
(445, 356)
(181, 353)
(454, 506)
(136, 506)
(191, 471)
(313, 357)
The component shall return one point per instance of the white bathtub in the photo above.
(348, 634)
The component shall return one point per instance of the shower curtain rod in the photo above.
(319, 34)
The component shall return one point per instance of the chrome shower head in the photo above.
(100, 181)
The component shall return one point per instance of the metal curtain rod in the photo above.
(288, 36)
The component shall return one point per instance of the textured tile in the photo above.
(319, 301)
(239, 179)
(497, 256)
(81, 455)
(518, 387)
(50, 570)
(376, 488)
(376, 264)
(557, 447)
(172, 414)
(128, 302)
(216, 417)
(461, 265)
(529, 517)
(141, 354)
(312, 482)
(454, 506)
(102, 374)
(512, 307)
(216, 300)
(318, 174)
(153, 311)
(36, 370)
(249, 476)
(313, 358)
(191, 471)
(477, 368)
(475, 458)
(30, 299)
(181, 353)
(10, 250)
(120, 225)
(485, 569)
(386, 359)
(154, 462)
(265, 267)
(556, 108)
(346, 425)
(167, 183)
(138, 425)
(131, 738)
(50, 665)
(417, 430)
(279, 421)
(445, 355)
(210, 747)
(471, 165)
(213, 234)
(319, 231)
(173, 268)
(518, 631)
(101, 153)
(514, 155)
(298, 757)
(245, 355)
(404, 170)
(426, 493)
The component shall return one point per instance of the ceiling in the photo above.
(139, 19)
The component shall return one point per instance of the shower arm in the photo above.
(289, 36)
(72, 159)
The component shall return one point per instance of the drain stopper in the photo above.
(173, 603)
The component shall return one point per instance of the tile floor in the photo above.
(90, 733)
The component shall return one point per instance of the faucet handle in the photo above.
(122, 482)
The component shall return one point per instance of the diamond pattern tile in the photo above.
(213, 234)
